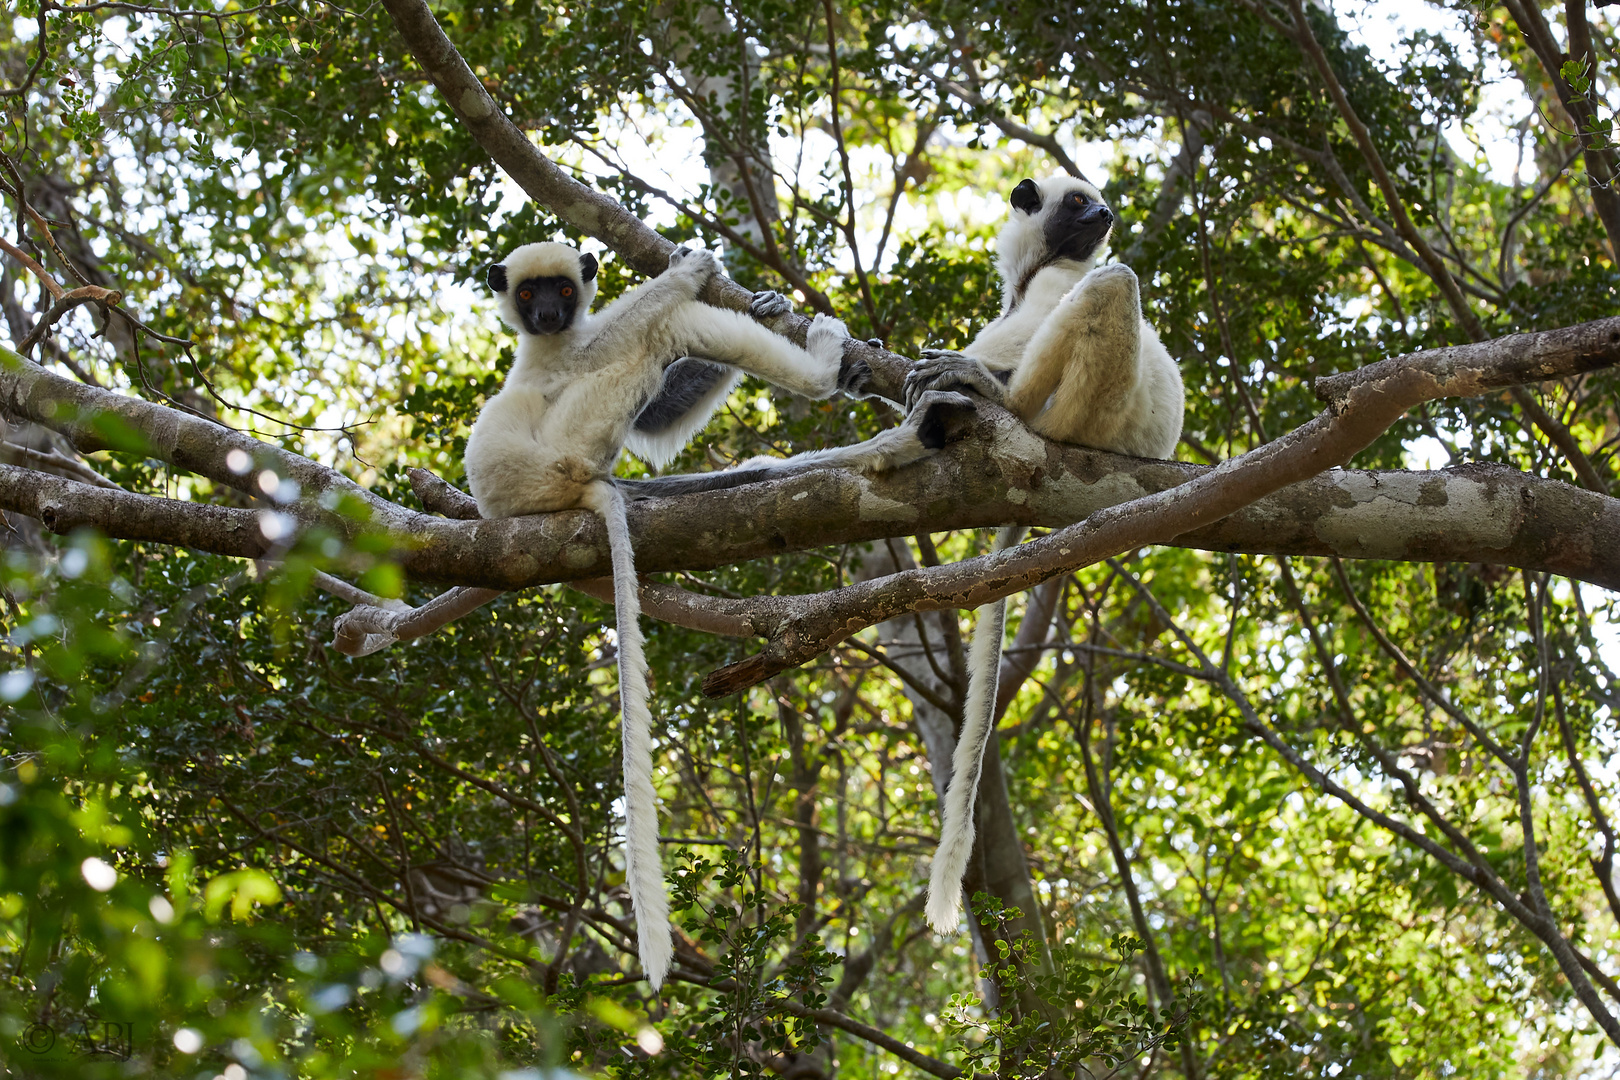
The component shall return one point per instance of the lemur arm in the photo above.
(693, 388)
(938, 420)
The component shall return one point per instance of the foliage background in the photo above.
(406, 865)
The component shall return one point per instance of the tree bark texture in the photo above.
(1362, 404)
(1002, 473)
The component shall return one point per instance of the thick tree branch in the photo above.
(94, 419)
(1473, 513)
(63, 505)
(1002, 474)
(1361, 405)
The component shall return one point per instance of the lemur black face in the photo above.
(1076, 226)
(546, 304)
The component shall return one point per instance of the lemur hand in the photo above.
(768, 305)
(699, 264)
(943, 369)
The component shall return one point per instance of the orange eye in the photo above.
(567, 290)
(526, 295)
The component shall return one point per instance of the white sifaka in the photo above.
(549, 440)
(645, 372)
(1071, 356)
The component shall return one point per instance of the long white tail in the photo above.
(643, 868)
(956, 832)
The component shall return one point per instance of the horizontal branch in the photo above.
(1002, 473)
(94, 419)
(63, 505)
(1362, 405)
(1473, 513)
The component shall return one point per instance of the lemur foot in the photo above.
(941, 417)
(825, 341)
(855, 377)
(768, 305)
(943, 369)
(698, 263)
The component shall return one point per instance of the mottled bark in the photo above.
(1362, 405)
(1001, 473)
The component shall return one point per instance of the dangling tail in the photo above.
(643, 869)
(956, 833)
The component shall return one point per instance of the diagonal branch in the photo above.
(1362, 404)
(592, 212)
(85, 294)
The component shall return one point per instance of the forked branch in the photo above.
(1362, 404)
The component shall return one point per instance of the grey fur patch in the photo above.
(659, 487)
(686, 383)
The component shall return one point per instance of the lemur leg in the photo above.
(940, 418)
(943, 369)
(532, 454)
(1081, 367)
(730, 337)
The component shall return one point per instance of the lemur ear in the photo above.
(587, 266)
(1026, 197)
(497, 277)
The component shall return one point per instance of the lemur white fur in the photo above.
(582, 388)
(549, 441)
(1079, 364)
(569, 402)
